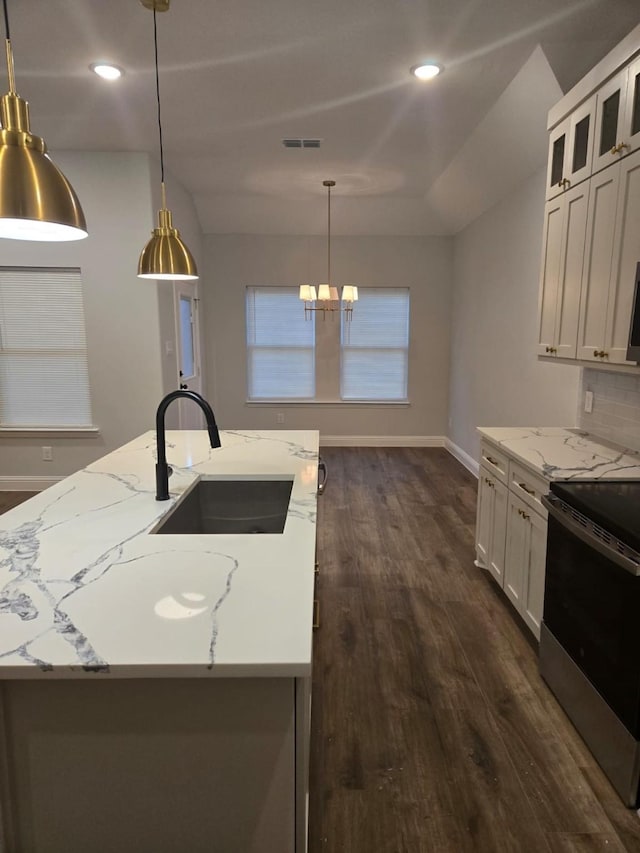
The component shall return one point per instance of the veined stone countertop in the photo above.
(87, 591)
(559, 453)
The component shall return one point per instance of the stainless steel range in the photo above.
(590, 638)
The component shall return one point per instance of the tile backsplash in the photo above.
(616, 406)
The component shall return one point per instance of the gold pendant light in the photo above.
(165, 256)
(37, 202)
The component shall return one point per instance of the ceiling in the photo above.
(237, 76)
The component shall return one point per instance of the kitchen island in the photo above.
(156, 688)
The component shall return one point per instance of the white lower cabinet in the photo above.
(511, 536)
(491, 524)
(526, 539)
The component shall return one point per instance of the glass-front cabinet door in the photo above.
(556, 168)
(610, 120)
(631, 130)
(571, 150)
(580, 151)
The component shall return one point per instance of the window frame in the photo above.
(251, 348)
(8, 290)
(346, 345)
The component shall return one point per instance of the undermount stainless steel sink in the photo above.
(231, 506)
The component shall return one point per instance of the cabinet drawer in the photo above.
(495, 461)
(528, 487)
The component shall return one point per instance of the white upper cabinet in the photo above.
(626, 254)
(591, 240)
(571, 150)
(611, 253)
(597, 263)
(565, 224)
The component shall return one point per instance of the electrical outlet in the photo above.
(588, 401)
(47, 454)
(280, 418)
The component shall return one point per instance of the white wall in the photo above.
(121, 310)
(496, 379)
(233, 262)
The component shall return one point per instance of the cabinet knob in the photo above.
(550, 349)
(600, 353)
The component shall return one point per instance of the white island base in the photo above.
(155, 765)
(155, 689)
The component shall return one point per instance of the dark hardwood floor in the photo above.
(10, 499)
(431, 728)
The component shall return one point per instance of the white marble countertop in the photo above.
(87, 591)
(560, 453)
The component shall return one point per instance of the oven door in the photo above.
(592, 608)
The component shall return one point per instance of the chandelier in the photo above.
(325, 298)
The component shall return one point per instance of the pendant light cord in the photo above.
(6, 22)
(155, 42)
(8, 51)
(329, 236)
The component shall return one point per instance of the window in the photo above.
(375, 346)
(44, 378)
(280, 345)
(290, 358)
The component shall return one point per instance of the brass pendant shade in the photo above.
(166, 256)
(37, 202)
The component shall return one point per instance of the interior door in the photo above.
(188, 338)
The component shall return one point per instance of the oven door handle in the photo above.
(585, 535)
(322, 466)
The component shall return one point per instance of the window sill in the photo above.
(49, 432)
(340, 403)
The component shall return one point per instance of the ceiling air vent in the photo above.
(301, 143)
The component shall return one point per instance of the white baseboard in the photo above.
(468, 461)
(27, 484)
(382, 441)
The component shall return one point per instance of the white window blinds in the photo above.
(375, 346)
(44, 378)
(280, 345)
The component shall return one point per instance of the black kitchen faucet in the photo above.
(162, 469)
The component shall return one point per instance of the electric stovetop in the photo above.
(612, 504)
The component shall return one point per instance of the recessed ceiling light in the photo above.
(106, 70)
(427, 70)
